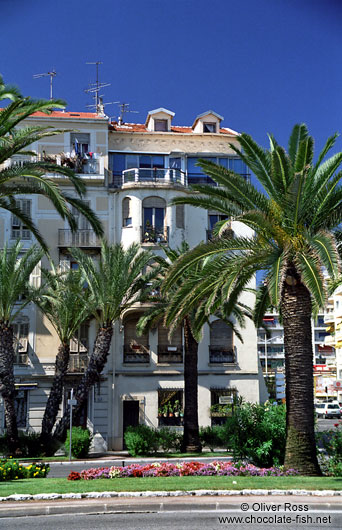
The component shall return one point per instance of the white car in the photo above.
(328, 410)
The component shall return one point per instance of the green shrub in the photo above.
(141, 440)
(169, 440)
(11, 469)
(212, 437)
(80, 442)
(257, 433)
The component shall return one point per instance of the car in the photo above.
(328, 410)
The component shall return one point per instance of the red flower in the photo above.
(74, 475)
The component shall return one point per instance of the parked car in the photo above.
(328, 410)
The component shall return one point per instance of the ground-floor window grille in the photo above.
(222, 403)
(170, 407)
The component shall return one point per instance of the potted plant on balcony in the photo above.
(176, 408)
(165, 410)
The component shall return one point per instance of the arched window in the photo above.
(126, 212)
(153, 229)
(170, 350)
(221, 343)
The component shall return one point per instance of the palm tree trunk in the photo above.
(300, 451)
(191, 441)
(96, 364)
(56, 393)
(7, 387)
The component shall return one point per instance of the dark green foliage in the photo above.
(80, 442)
(212, 437)
(257, 433)
(170, 440)
(29, 445)
(141, 440)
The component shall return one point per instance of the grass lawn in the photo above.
(62, 485)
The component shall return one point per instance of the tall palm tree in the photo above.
(293, 220)
(15, 270)
(30, 178)
(164, 304)
(64, 301)
(114, 285)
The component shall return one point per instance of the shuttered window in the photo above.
(221, 335)
(126, 212)
(18, 229)
(20, 342)
(82, 222)
(131, 339)
(176, 337)
(179, 215)
(79, 343)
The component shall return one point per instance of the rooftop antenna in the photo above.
(97, 86)
(123, 110)
(52, 74)
(101, 105)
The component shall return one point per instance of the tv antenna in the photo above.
(123, 110)
(52, 74)
(101, 105)
(97, 86)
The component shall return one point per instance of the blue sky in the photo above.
(262, 64)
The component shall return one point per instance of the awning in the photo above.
(25, 386)
(330, 328)
(326, 349)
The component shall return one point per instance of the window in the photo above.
(214, 218)
(153, 229)
(82, 222)
(179, 215)
(221, 349)
(222, 404)
(20, 406)
(150, 167)
(19, 229)
(126, 212)
(20, 342)
(196, 175)
(80, 142)
(78, 360)
(136, 349)
(170, 407)
(170, 350)
(209, 127)
(160, 125)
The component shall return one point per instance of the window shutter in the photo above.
(221, 335)
(64, 265)
(83, 342)
(35, 276)
(23, 344)
(73, 345)
(179, 215)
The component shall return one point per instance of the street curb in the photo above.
(177, 493)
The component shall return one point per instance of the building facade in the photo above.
(132, 172)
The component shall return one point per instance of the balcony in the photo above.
(221, 355)
(151, 234)
(150, 176)
(136, 353)
(78, 363)
(80, 239)
(170, 354)
(329, 316)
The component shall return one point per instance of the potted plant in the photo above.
(160, 412)
(176, 408)
(171, 410)
(165, 410)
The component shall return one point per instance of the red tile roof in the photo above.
(140, 127)
(60, 114)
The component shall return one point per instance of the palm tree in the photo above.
(164, 304)
(113, 286)
(30, 178)
(291, 241)
(64, 301)
(15, 270)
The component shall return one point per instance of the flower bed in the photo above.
(167, 469)
(12, 470)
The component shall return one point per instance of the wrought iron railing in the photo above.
(152, 234)
(78, 363)
(221, 355)
(136, 354)
(155, 175)
(81, 238)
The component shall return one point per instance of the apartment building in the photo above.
(132, 172)
(333, 340)
(272, 353)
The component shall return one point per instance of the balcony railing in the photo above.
(136, 354)
(153, 175)
(221, 355)
(78, 363)
(81, 238)
(170, 354)
(151, 234)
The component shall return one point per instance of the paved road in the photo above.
(198, 520)
(326, 425)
